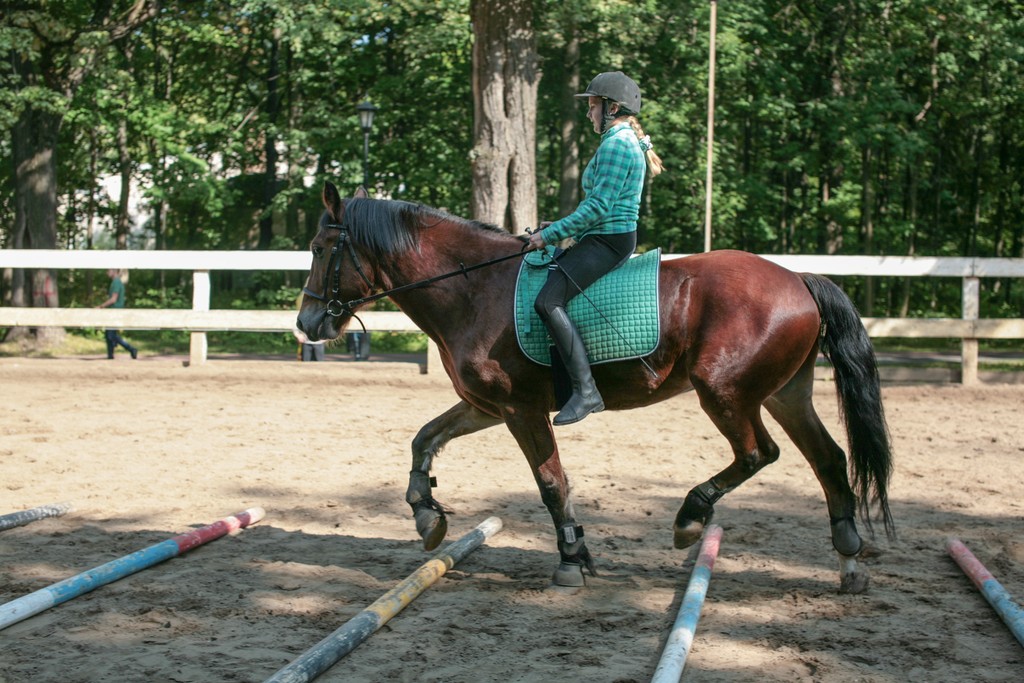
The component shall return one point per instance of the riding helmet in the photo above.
(617, 87)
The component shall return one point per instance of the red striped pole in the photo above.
(1009, 611)
(45, 598)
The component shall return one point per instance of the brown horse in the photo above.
(739, 330)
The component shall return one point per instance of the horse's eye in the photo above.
(318, 251)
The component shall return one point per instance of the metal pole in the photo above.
(366, 159)
(711, 126)
(356, 338)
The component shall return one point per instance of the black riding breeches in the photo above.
(581, 266)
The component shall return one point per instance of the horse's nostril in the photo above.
(298, 325)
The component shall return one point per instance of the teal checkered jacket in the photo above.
(612, 184)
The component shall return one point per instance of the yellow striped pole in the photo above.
(352, 633)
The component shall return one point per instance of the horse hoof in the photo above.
(685, 536)
(569, 575)
(855, 583)
(432, 529)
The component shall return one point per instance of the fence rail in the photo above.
(199, 320)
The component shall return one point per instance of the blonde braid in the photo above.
(654, 165)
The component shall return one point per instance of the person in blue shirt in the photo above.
(603, 227)
(116, 299)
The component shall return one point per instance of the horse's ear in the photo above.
(361, 193)
(332, 200)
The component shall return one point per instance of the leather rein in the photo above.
(332, 276)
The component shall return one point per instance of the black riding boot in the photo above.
(586, 399)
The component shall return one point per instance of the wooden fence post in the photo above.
(200, 302)
(969, 345)
(433, 362)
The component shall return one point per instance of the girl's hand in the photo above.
(536, 241)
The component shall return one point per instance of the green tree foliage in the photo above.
(848, 127)
(52, 49)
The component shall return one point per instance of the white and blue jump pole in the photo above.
(45, 598)
(14, 519)
(673, 657)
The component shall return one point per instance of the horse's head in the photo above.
(337, 275)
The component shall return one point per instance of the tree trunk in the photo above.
(785, 223)
(978, 153)
(505, 78)
(867, 223)
(569, 177)
(830, 88)
(90, 211)
(35, 169)
(911, 216)
(297, 158)
(831, 235)
(124, 163)
(270, 184)
(35, 134)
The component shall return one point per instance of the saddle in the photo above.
(617, 316)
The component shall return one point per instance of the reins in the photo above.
(337, 308)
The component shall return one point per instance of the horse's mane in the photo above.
(388, 226)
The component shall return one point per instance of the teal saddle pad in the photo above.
(617, 316)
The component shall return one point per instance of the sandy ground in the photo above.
(147, 450)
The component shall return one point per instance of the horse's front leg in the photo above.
(459, 420)
(533, 433)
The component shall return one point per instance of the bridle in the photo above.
(332, 276)
(343, 245)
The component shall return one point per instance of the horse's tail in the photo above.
(846, 345)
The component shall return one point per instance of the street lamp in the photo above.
(366, 111)
(361, 343)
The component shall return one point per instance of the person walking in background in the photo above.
(116, 299)
(603, 227)
(359, 344)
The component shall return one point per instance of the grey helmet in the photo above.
(617, 87)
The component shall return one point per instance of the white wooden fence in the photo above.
(199, 320)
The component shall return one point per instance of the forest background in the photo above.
(841, 127)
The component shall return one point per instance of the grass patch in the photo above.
(91, 342)
(73, 345)
(1003, 366)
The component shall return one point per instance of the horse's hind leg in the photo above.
(459, 420)
(739, 420)
(794, 410)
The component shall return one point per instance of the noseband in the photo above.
(335, 306)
